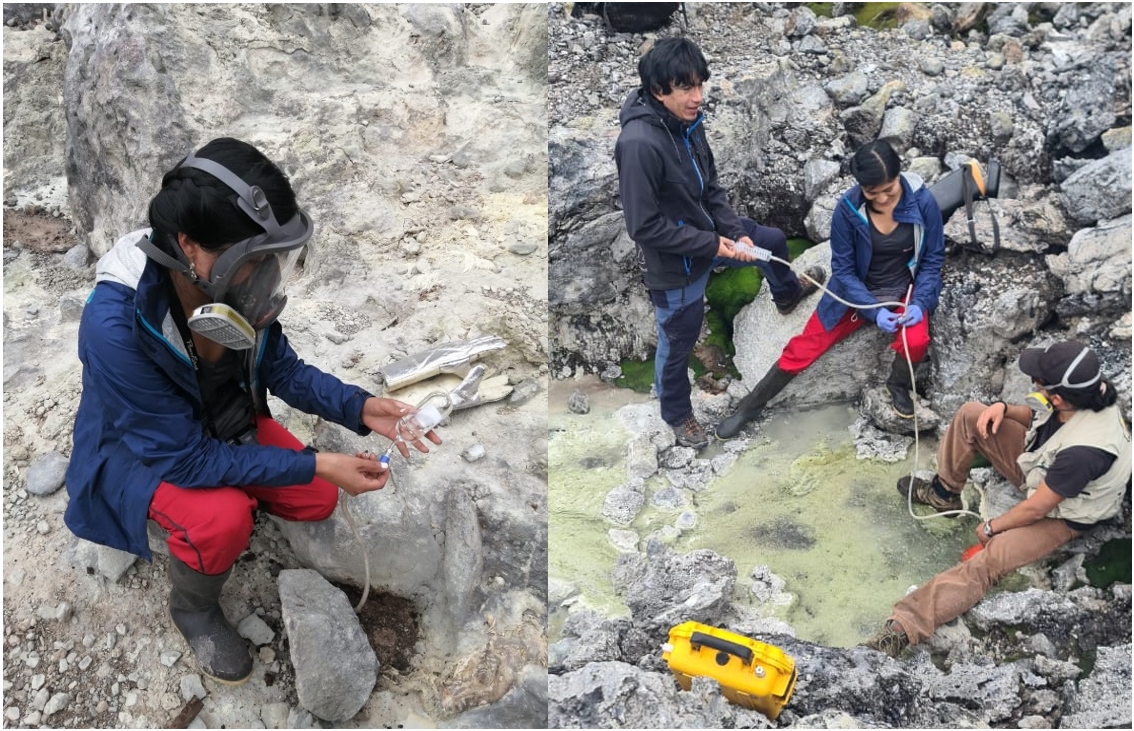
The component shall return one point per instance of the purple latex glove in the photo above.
(887, 320)
(913, 315)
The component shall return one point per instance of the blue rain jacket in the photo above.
(851, 250)
(140, 419)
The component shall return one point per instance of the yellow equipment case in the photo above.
(751, 673)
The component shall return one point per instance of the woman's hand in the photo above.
(355, 475)
(381, 416)
(887, 320)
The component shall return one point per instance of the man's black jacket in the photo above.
(672, 203)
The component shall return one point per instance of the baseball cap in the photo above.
(1068, 364)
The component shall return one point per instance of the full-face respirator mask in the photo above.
(247, 281)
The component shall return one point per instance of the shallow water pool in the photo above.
(797, 500)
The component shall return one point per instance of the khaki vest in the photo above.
(1105, 430)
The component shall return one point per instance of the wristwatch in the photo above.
(988, 529)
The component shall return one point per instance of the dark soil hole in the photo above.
(390, 624)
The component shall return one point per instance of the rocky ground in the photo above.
(1044, 88)
(434, 238)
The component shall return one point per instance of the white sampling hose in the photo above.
(361, 547)
(766, 255)
(413, 426)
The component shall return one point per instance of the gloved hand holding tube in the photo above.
(887, 320)
(912, 316)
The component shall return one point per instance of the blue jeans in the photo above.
(679, 312)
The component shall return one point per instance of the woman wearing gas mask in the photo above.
(180, 345)
(1067, 446)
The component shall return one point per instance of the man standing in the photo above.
(679, 217)
(1072, 457)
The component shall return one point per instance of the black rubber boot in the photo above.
(751, 405)
(899, 386)
(194, 605)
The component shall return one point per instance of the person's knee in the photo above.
(325, 504)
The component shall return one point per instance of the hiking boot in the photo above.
(806, 288)
(891, 639)
(925, 494)
(689, 433)
(899, 384)
(194, 606)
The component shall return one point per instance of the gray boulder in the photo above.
(118, 55)
(1095, 269)
(1099, 191)
(335, 667)
(1087, 109)
(663, 589)
(45, 475)
(1094, 704)
(617, 695)
(989, 309)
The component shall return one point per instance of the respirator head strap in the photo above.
(1065, 383)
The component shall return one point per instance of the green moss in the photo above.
(796, 247)
(727, 292)
(636, 375)
(877, 15)
(1086, 662)
(730, 290)
(1111, 565)
(868, 15)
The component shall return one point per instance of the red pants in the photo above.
(815, 340)
(209, 527)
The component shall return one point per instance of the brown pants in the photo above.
(954, 591)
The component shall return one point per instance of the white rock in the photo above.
(191, 686)
(255, 630)
(57, 703)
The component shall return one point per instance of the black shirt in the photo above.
(889, 275)
(229, 404)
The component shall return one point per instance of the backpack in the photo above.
(963, 187)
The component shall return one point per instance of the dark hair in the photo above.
(875, 163)
(672, 60)
(198, 204)
(1095, 399)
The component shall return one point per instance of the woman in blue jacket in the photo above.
(887, 245)
(179, 344)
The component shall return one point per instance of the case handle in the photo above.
(732, 648)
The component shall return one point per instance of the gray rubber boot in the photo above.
(751, 405)
(194, 605)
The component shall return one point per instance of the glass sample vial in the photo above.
(428, 413)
